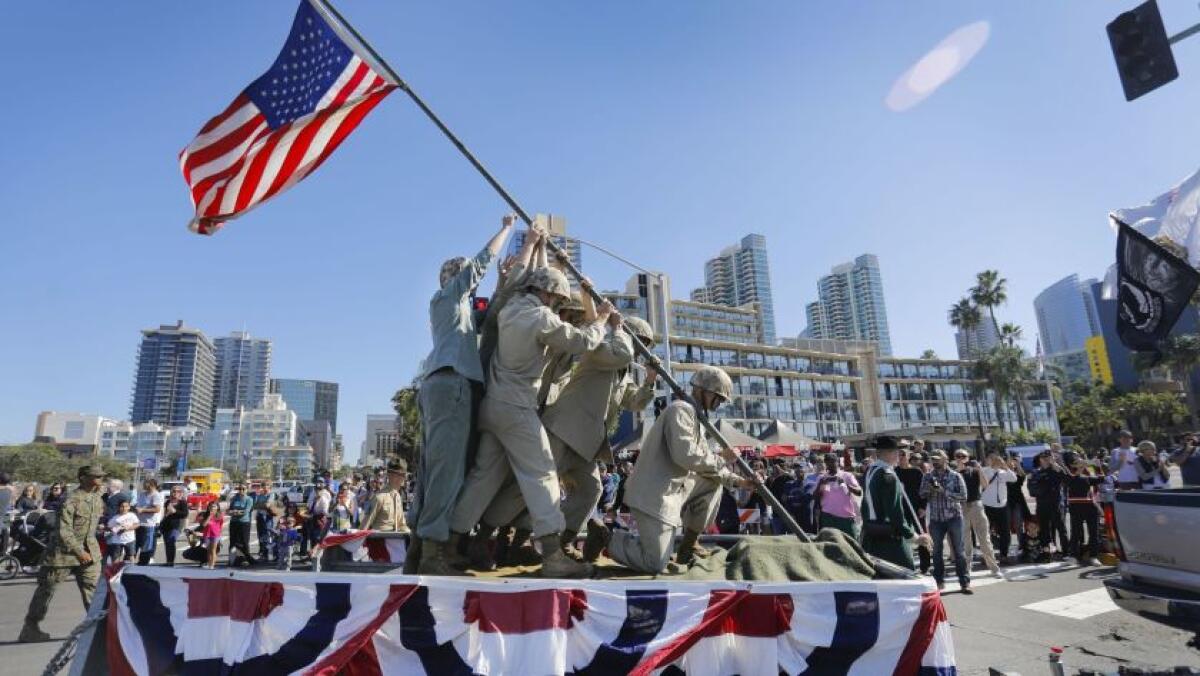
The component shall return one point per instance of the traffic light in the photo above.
(1142, 50)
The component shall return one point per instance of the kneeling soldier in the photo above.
(675, 472)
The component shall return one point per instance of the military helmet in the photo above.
(714, 380)
(575, 304)
(551, 281)
(640, 328)
(450, 268)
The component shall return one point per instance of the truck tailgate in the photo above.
(1159, 532)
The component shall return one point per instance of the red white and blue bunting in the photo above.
(164, 620)
(378, 550)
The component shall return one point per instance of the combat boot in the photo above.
(689, 548)
(478, 553)
(522, 553)
(434, 560)
(504, 538)
(30, 633)
(598, 537)
(568, 545)
(452, 553)
(556, 564)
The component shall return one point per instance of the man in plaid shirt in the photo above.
(945, 491)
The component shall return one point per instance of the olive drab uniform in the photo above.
(387, 513)
(577, 422)
(675, 483)
(74, 534)
(513, 440)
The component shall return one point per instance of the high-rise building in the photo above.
(175, 375)
(245, 436)
(318, 435)
(557, 227)
(740, 275)
(973, 342)
(1066, 315)
(381, 440)
(310, 399)
(243, 370)
(850, 305)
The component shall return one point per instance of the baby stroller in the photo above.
(30, 533)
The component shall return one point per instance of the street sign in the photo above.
(149, 463)
(1142, 50)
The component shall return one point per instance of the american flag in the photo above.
(284, 125)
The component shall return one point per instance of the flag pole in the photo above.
(327, 8)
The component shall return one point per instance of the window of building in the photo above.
(887, 369)
(801, 364)
(73, 429)
(824, 389)
(908, 370)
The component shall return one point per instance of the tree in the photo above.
(1010, 333)
(929, 354)
(964, 315)
(1154, 414)
(408, 416)
(990, 291)
(263, 469)
(43, 463)
(1091, 415)
(291, 470)
(1181, 355)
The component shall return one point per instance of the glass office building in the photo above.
(310, 399)
(243, 370)
(1066, 315)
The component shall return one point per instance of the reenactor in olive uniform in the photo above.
(578, 423)
(513, 440)
(676, 480)
(73, 550)
(387, 508)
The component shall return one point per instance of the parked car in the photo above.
(1159, 561)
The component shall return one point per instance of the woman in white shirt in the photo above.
(121, 528)
(993, 492)
(1123, 462)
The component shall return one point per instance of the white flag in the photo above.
(1175, 215)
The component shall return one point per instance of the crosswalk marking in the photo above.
(1076, 606)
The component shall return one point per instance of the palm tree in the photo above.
(1010, 333)
(989, 292)
(929, 354)
(964, 315)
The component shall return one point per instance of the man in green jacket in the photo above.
(73, 550)
(888, 524)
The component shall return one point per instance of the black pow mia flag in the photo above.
(1153, 288)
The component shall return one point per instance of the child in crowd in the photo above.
(287, 539)
(1031, 548)
(122, 529)
(211, 523)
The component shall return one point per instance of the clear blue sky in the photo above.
(664, 130)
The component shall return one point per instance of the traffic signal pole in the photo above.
(1184, 34)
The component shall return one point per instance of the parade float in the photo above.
(793, 605)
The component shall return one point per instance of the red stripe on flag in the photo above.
(932, 613)
(241, 100)
(763, 615)
(257, 166)
(377, 550)
(349, 123)
(524, 612)
(398, 595)
(304, 139)
(224, 144)
(239, 600)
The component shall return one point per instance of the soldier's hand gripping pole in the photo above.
(331, 13)
(654, 362)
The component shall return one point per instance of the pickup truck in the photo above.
(1156, 533)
